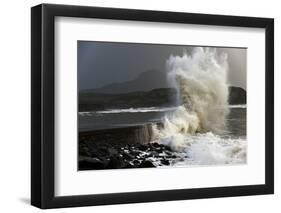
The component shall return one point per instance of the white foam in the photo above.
(211, 149)
(130, 110)
(243, 106)
(144, 109)
(201, 82)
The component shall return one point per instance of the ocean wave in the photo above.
(144, 109)
(243, 106)
(195, 127)
(211, 149)
(131, 110)
(207, 149)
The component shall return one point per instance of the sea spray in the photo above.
(201, 81)
(212, 149)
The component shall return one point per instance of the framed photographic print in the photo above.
(140, 106)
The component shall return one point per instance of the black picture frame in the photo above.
(43, 117)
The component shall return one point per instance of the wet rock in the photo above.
(149, 155)
(159, 150)
(115, 163)
(146, 164)
(143, 147)
(154, 153)
(135, 162)
(135, 152)
(168, 153)
(119, 155)
(130, 165)
(165, 162)
(128, 156)
(166, 148)
(102, 151)
(112, 151)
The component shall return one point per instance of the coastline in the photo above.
(127, 147)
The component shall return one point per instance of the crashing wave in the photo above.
(201, 83)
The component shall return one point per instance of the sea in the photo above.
(208, 148)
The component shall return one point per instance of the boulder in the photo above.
(146, 164)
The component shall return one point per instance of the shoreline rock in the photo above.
(123, 156)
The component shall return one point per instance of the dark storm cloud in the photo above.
(103, 63)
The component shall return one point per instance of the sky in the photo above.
(103, 63)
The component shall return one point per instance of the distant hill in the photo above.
(149, 89)
(146, 81)
(237, 95)
(163, 97)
